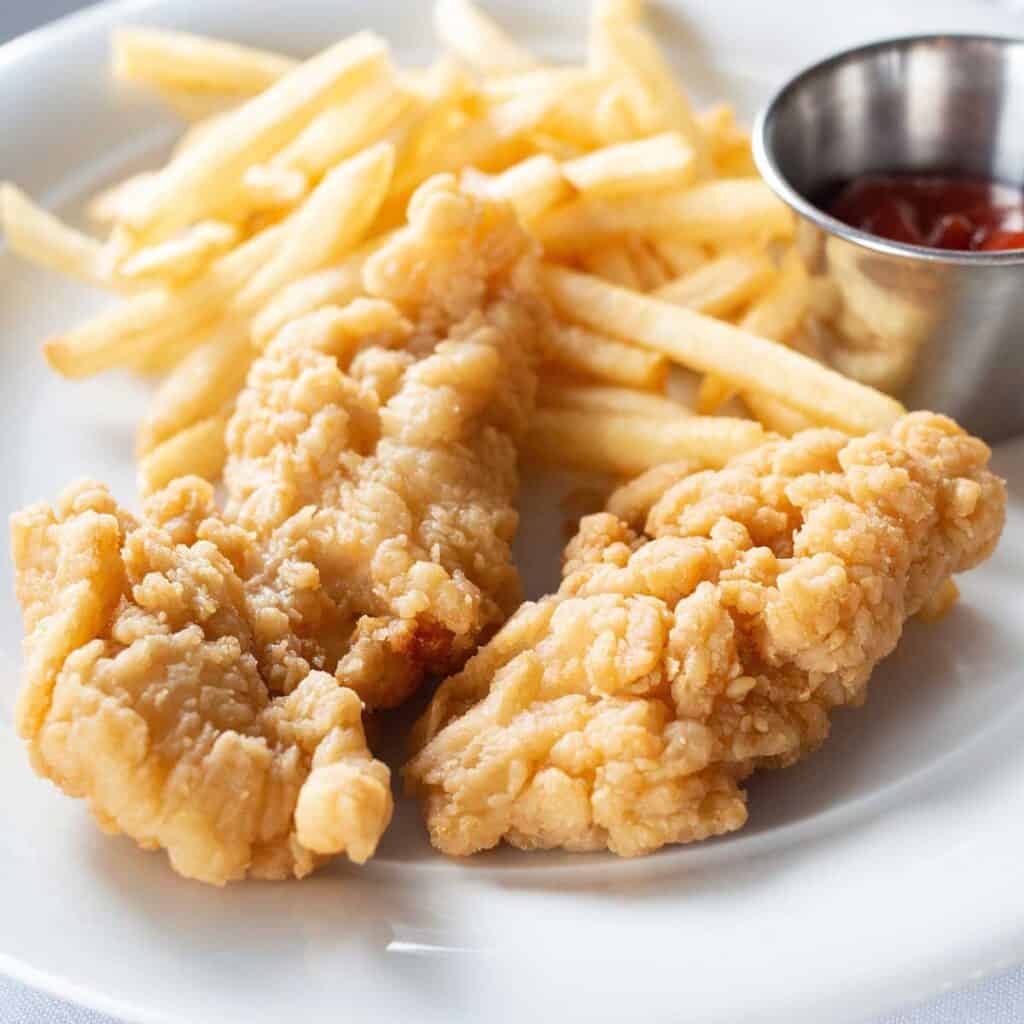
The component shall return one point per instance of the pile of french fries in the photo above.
(662, 248)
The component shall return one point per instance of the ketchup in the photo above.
(965, 214)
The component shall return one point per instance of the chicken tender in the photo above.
(198, 675)
(625, 711)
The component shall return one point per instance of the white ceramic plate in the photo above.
(877, 873)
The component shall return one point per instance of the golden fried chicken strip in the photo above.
(373, 457)
(143, 695)
(625, 711)
(199, 676)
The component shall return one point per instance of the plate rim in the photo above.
(104, 14)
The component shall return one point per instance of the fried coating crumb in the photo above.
(625, 711)
(199, 675)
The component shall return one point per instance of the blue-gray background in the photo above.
(997, 1001)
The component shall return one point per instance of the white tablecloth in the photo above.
(999, 1000)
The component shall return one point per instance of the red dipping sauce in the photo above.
(963, 214)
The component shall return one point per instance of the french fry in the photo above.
(42, 239)
(532, 186)
(774, 414)
(270, 187)
(648, 268)
(621, 47)
(712, 346)
(679, 257)
(632, 444)
(113, 204)
(341, 131)
(145, 323)
(606, 358)
(615, 400)
(199, 450)
(722, 285)
(333, 286)
(632, 501)
(613, 263)
(478, 40)
(776, 315)
(723, 212)
(333, 219)
(824, 301)
(663, 161)
(199, 387)
(183, 257)
(183, 62)
(197, 108)
(205, 177)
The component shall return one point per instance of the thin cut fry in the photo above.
(199, 450)
(269, 187)
(776, 315)
(633, 500)
(613, 263)
(478, 39)
(620, 401)
(775, 414)
(531, 186)
(723, 212)
(632, 444)
(660, 162)
(147, 322)
(42, 239)
(205, 176)
(712, 346)
(721, 286)
(620, 46)
(191, 63)
(334, 218)
(113, 204)
(343, 130)
(181, 258)
(649, 271)
(200, 386)
(329, 287)
(606, 358)
(679, 257)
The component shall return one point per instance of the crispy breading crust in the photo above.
(625, 711)
(199, 676)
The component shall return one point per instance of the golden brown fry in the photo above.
(653, 164)
(42, 239)
(130, 332)
(774, 414)
(632, 501)
(712, 346)
(621, 47)
(199, 450)
(632, 444)
(532, 186)
(613, 263)
(607, 399)
(334, 219)
(722, 285)
(478, 39)
(180, 61)
(343, 130)
(182, 257)
(205, 177)
(724, 212)
(606, 358)
(201, 385)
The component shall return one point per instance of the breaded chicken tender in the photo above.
(625, 711)
(198, 675)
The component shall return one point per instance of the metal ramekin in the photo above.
(943, 330)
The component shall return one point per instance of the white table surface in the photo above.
(998, 1000)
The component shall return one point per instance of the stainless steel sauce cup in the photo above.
(942, 330)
